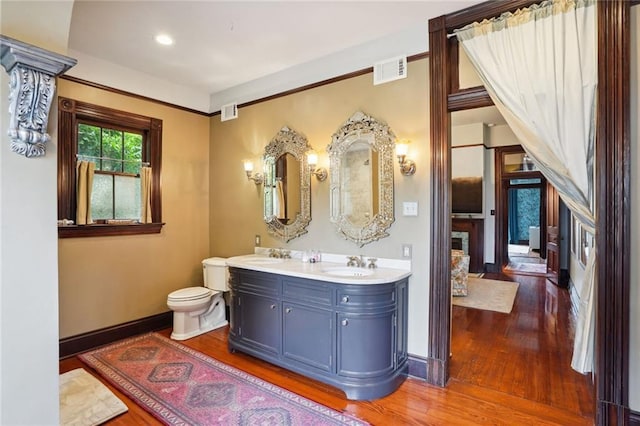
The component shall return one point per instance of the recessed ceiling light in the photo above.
(164, 39)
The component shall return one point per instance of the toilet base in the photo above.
(197, 332)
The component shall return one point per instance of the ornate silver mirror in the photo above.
(287, 198)
(361, 179)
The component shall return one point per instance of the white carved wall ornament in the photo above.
(32, 87)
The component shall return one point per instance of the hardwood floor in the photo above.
(506, 369)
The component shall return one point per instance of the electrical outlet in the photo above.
(257, 241)
(406, 251)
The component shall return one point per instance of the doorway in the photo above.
(521, 213)
(526, 205)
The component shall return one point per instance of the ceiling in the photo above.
(223, 44)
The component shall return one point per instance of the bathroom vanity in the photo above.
(343, 326)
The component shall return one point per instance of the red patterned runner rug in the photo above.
(181, 386)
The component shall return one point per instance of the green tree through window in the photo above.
(118, 158)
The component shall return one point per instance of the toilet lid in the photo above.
(190, 293)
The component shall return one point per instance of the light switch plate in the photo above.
(410, 208)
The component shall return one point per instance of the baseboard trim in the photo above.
(70, 346)
(417, 367)
(634, 418)
(491, 267)
(436, 372)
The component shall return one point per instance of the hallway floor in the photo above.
(526, 353)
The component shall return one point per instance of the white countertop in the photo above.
(324, 271)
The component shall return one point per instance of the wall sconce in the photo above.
(248, 168)
(312, 160)
(407, 167)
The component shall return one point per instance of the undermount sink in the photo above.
(348, 272)
(261, 260)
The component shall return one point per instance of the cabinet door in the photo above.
(259, 322)
(366, 344)
(308, 336)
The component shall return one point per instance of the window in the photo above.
(117, 155)
(119, 144)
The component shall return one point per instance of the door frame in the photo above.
(502, 206)
(612, 194)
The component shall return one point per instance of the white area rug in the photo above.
(516, 249)
(489, 295)
(84, 400)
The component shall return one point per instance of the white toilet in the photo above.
(197, 310)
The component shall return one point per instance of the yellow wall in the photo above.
(236, 203)
(110, 280)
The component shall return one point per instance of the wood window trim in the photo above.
(71, 111)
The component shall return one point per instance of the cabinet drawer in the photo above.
(366, 297)
(255, 282)
(308, 292)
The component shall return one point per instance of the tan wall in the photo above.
(236, 203)
(110, 280)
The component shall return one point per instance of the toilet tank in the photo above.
(215, 273)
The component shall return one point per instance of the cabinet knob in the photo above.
(345, 322)
(273, 306)
(287, 310)
(345, 299)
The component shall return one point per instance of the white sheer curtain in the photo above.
(84, 185)
(539, 67)
(145, 195)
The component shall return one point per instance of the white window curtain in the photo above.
(145, 195)
(539, 67)
(84, 185)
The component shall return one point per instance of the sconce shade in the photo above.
(402, 148)
(312, 159)
(248, 165)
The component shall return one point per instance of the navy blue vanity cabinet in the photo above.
(351, 336)
(257, 311)
(308, 324)
(366, 331)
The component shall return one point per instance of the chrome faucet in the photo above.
(356, 261)
(280, 253)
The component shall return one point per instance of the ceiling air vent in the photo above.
(229, 112)
(389, 70)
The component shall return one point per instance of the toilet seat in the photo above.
(190, 294)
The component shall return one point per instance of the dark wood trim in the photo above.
(99, 230)
(472, 144)
(130, 94)
(634, 416)
(417, 366)
(473, 97)
(70, 346)
(501, 255)
(486, 10)
(332, 80)
(70, 112)
(454, 65)
(613, 222)
(475, 229)
(612, 198)
(154, 156)
(502, 199)
(439, 265)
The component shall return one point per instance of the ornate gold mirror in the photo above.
(287, 197)
(361, 179)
